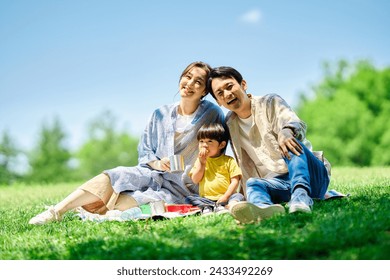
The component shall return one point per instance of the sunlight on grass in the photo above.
(357, 227)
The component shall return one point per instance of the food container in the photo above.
(145, 208)
(180, 208)
(157, 207)
(153, 208)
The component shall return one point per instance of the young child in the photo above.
(217, 174)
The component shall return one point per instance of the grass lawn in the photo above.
(354, 228)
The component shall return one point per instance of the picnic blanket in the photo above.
(158, 210)
(332, 194)
(134, 214)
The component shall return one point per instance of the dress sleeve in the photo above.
(147, 145)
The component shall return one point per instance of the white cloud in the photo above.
(253, 16)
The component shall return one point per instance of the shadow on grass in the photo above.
(267, 240)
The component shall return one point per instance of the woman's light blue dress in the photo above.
(160, 140)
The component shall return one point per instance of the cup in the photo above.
(177, 163)
(157, 207)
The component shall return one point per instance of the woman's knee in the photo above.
(125, 202)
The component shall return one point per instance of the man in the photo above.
(268, 140)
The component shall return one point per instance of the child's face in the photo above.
(210, 147)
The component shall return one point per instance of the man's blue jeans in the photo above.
(304, 170)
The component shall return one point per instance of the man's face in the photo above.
(229, 93)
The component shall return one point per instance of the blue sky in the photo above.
(75, 59)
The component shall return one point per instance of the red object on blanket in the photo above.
(181, 208)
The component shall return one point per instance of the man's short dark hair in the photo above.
(222, 72)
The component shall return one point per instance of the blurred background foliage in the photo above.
(347, 115)
(51, 161)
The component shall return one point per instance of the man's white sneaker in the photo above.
(247, 213)
(300, 202)
(50, 215)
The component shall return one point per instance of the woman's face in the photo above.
(193, 84)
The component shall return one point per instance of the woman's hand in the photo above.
(165, 164)
(287, 142)
(162, 164)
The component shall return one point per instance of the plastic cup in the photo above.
(177, 163)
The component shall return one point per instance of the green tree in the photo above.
(8, 154)
(347, 114)
(49, 161)
(106, 147)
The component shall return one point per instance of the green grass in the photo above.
(354, 228)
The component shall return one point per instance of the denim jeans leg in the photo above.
(235, 197)
(262, 192)
(197, 200)
(308, 171)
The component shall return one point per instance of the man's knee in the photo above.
(254, 183)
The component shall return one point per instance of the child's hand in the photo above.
(203, 152)
(223, 199)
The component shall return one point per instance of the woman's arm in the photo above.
(153, 137)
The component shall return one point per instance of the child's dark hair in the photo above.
(214, 131)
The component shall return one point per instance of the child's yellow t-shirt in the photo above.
(216, 179)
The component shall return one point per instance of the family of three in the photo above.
(275, 161)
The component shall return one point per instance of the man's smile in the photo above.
(231, 101)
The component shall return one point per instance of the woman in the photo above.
(171, 130)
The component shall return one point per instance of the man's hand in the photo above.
(287, 142)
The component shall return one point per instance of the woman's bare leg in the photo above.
(76, 199)
(79, 197)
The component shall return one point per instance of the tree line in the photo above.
(347, 115)
(51, 161)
